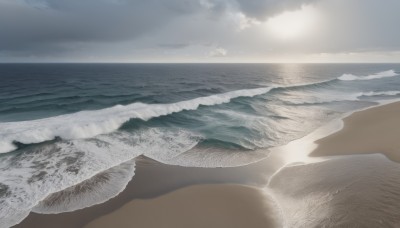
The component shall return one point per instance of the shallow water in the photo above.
(349, 191)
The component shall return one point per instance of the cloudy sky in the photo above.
(199, 31)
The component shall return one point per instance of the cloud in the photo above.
(262, 9)
(218, 52)
(30, 24)
(77, 30)
(24, 24)
(173, 45)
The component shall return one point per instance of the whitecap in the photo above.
(87, 124)
(383, 74)
(96, 190)
(32, 174)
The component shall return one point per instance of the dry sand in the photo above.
(375, 130)
(233, 206)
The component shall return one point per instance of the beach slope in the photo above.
(375, 130)
(198, 206)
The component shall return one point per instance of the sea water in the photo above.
(69, 125)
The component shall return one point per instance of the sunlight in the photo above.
(292, 24)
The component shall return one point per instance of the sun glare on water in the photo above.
(292, 24)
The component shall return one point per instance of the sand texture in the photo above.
(375, 130)
(200, 206)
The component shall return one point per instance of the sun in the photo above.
(292, 24)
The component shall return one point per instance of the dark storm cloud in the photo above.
(114, 29)
(261, 9)
(34, 23)
(38, 23)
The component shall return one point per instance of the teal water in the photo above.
(61, 124)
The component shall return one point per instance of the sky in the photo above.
(199, 31)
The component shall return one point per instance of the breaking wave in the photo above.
(381, 93)
(96, 190)
(42, 171)
(383, 74)
(87, 124)
(328, 98)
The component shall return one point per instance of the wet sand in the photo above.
(375, 130)
(198, 206)
(153, 179)
(360, 191)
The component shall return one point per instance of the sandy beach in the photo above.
(153, 179)
(357, 189)
(211, 206)
(172, 196)
(375, 130)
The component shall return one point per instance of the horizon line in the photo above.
(199, 62)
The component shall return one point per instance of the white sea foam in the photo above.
(98, 189)
(50, 168)
(383, 74)
(327, 98)
(87, 124)
(12, 217)
(380, 93)
(214, 157)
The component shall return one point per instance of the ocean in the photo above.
(63, 124)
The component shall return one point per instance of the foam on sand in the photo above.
(96, 190)
(31, 175)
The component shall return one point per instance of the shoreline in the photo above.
(382, 114)
(156, 180)
(367, 131)
(153, 179)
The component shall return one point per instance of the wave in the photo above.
(36, 173)
(383, 74)
(96, 190)
(381, 93)
(325, 98)
(344, 77)
(87, 124)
